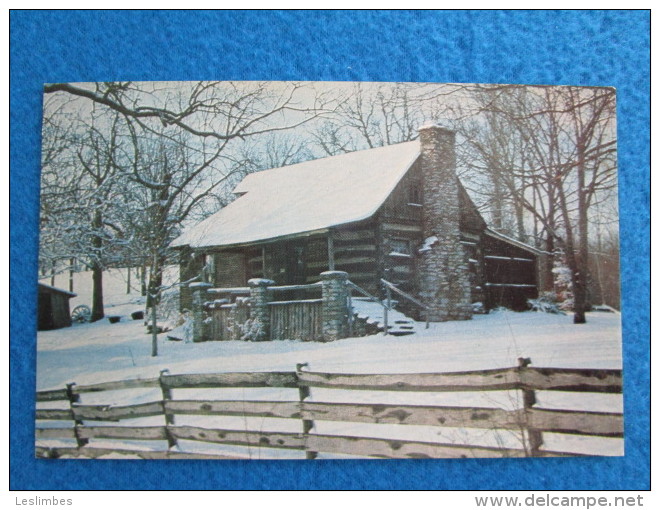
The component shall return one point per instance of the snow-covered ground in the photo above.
(90, 353)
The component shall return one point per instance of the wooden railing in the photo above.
(86, 429)
(291, 316)
(389, 287)
(351, 314)
(306, 287)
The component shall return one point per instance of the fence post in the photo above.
(304, 392)
(198, 290)
(386, 311)
(74, 397)
(260, 296)
(169, 418)
(534, 436)
(351, 313)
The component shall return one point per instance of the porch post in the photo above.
(263, 262)
(260, 296)
(331, 251)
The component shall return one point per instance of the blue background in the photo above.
(575, 48)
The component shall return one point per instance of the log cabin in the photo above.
(397, 213)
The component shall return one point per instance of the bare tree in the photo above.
(368, 117)
(566, 139)
(494, 154)
(172, 150)
(215, 110)
(78, 195)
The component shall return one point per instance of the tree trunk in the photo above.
(497, 204)
(548, 275)
(97, 292)
(159, 242)
(155, 282)
(143, 280)
(153, 298)
(154, 332)
(97, 269)
(579, 284)
(71, 266)
(581, 276)
(579, 297)
(520, 224)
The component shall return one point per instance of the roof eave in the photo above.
(497, 235)
(256, 242)
(57, 289)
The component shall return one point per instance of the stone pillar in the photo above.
(334, 312)
(260, 296)
(199, 297)
(444, 281)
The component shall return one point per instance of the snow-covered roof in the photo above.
(306, 197)
(510, 240)
(56, 289)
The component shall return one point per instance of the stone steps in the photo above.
(371, 314)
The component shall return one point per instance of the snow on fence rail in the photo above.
(83, 435)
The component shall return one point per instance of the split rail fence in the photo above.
(86, 430)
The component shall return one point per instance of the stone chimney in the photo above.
(444, 283)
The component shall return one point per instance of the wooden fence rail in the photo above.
(83, 425)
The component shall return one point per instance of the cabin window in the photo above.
(400, 247)
(415, 193)
(300, 259)
(208, 268)
(204, 271)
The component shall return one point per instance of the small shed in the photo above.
(54, 310)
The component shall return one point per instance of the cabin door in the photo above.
(45, 311)
(296, 264)
(229, 269)
(296, 268)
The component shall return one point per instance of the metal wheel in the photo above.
(81, 313)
